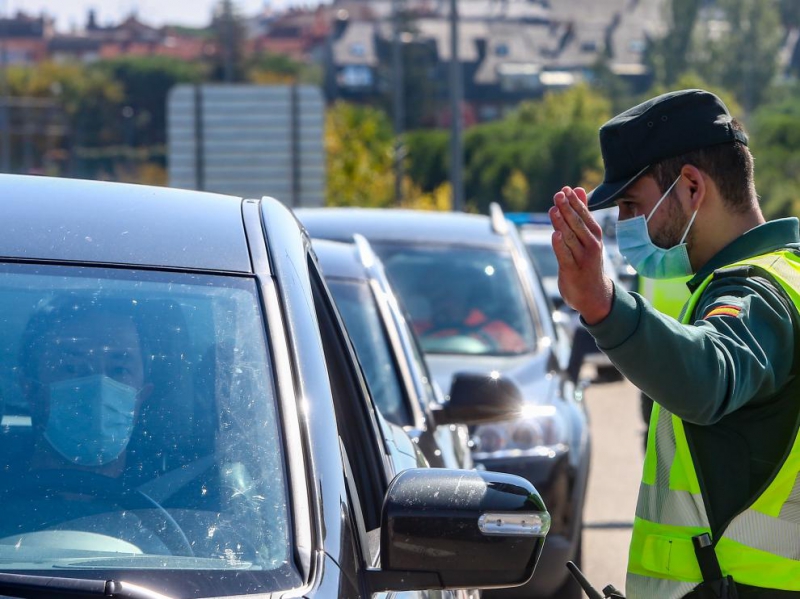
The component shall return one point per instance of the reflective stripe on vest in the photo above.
(761, 545)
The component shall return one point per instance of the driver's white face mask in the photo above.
(91, 419)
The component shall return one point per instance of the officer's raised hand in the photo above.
(578, 245)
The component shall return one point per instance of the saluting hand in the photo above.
(577, 242)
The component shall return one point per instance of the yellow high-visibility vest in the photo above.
(668, 296)
(761, 545)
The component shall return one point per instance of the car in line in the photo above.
(393, 363)
(536, 232)
(477, 304)
(184, 416)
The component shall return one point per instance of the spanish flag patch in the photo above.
(723, 311)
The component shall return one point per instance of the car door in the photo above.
(365, 458)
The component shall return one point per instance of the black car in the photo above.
(183, 416)
(477, 304)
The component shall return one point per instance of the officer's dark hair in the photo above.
(729, 165)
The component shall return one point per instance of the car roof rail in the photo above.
(499, 222)
(366, 254)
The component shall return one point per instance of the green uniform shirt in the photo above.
(739, 352)
(702, 372)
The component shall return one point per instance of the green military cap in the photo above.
(664, 127)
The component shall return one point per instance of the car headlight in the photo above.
(538, 427)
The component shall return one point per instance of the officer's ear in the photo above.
(695, 185)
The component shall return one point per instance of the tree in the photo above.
(552, 142)
(359, 146)
(145, 83)
(733, 44)
(428, 158)
(280, 69)
(744, 57)
(790, 13)
(522, 160)
(90, 101)
(775, 141)
(669, 55)
(229, 33)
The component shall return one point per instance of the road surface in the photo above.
(617, 456)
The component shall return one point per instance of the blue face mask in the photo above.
(91, 419)
(647, 258)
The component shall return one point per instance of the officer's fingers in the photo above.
(570, 240)
(582, 196)
(570, 216)
(578, 204)
(566, 260)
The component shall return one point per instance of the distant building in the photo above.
(510, 50)
(298, 33)
(131, 37)
(24, 38)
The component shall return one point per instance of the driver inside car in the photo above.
(84, 380)
(82, 372)
(454, 313)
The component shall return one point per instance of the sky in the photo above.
(72, 13)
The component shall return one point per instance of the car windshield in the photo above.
(139, 436)
(359, 310)
(461, 300)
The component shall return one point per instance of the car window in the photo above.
(361, 317)
(543, 257)
(139, 429)
(356, 423)
(461, 300)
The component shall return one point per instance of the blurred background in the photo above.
(378, 106)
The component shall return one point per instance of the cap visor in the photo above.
(606, 194)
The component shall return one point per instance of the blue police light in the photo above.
(528, 218)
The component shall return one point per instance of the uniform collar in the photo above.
(762, 239)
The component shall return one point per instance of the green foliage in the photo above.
(273, 69)
(428, 162)
(790, 12)
(736, 49)
(359, 144)
(229, 33)
(669, 56)
(775, 141)
(745, 59)
(146, 82)
(691, 80)
(522, 160)
(90, 98)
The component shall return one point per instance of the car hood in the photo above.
(533, 373)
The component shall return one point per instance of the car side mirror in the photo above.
(455, 529)
(479, 399)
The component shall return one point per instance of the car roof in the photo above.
(536, 233)
(70, 220)
(416, 226)
(339, 260)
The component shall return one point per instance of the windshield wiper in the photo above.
(31, 586)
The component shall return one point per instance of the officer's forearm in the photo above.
(699, 373)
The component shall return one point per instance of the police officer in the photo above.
(719, 504)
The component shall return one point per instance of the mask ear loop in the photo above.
(689, 226)
(664, 197)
